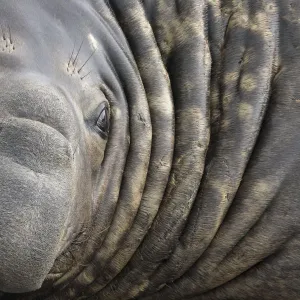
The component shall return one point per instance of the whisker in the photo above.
(9, 33)
(76, 57)
(71, 55)
(87, 60)
(3, 33)
(86, 75)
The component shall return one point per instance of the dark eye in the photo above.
(102, 124)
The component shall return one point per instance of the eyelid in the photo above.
(103, 105)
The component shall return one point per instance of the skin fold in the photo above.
(149, 149)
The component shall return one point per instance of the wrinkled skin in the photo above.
(194, 193)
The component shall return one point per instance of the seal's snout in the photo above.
(36, 181)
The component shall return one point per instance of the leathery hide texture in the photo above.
(199, 194)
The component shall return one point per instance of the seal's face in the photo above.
(54, 125)
(75, 139)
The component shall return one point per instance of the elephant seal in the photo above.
(150, 149)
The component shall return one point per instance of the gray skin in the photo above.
(187, 187)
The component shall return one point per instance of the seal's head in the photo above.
(54, 125)
(75, 139)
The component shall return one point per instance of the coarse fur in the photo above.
(195, 192)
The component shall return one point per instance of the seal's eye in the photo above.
(103, 121)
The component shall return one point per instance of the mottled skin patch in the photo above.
(248, 83)
(195, 195)
(245, 110)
